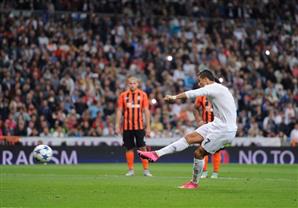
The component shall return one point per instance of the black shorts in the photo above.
(133, 138)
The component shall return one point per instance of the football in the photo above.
(42, 153)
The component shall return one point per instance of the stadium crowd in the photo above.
(61, 72)
(256, 9)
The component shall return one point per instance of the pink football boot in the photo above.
(189, 185)
(151, 156)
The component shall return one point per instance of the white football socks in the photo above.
(177, 146)
(197, 170)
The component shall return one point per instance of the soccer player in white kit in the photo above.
(212, 136)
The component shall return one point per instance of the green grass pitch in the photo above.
(104, 185)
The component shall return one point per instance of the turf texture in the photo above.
(104, 185)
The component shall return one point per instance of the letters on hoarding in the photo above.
(19, 155)
(26, 158)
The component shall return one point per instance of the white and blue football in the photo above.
(42, 153)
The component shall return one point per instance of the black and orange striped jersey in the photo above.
(132, 105)
(207, 110)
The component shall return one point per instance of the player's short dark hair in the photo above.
(207, 74)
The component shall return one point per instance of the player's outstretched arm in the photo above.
(188, 94)
(173, 98)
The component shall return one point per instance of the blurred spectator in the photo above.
(156, 126)
(58, 131)
(45, 132)
(269, 125)
(254, 130)
(21, 128)
(59, 67)
(294, 136)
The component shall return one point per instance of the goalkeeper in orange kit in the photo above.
(203, 113)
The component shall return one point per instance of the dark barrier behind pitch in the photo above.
(107, 154)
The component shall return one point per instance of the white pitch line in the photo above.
(123, 176)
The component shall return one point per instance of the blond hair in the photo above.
(132, 78)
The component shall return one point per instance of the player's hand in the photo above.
(147, 132)
(117, 131)
(170, 98)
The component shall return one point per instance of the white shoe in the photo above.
(214, 175)
(147, 173)
(130, 173)
(204, 174)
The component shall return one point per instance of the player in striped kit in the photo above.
(131, 105)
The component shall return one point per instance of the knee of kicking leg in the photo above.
(190, 137)
(193, 138)
(199, 154)
(187, 138)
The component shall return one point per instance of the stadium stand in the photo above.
(63, 63)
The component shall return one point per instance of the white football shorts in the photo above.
(215, 136)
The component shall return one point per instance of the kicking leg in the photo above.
(179, 145)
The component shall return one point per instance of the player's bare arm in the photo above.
(173, 98)
(117, 123)
(147, 117)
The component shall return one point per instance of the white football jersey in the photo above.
(223, 103)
